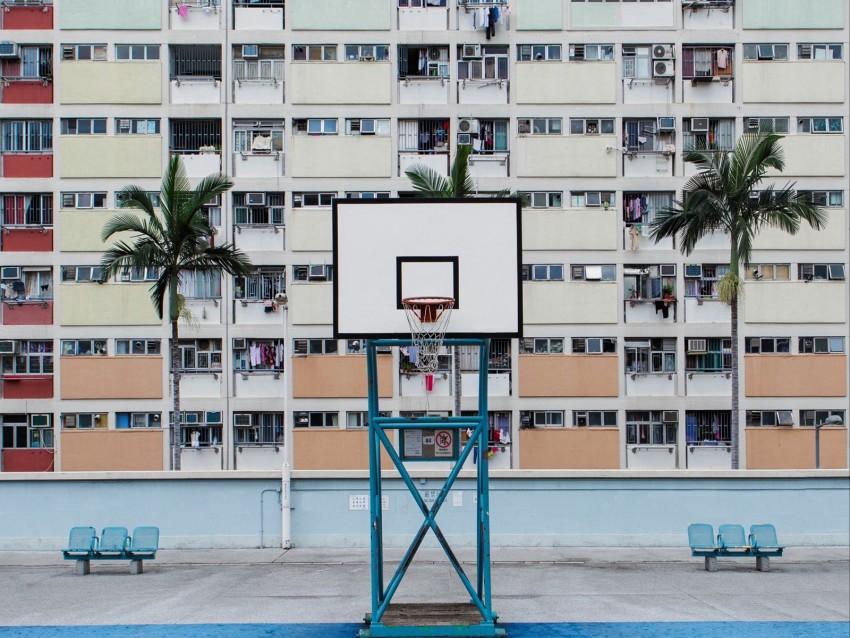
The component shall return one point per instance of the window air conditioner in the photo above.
(697, 345)
(693, 270)
(215, 201)
(464, 139)
(668, 270)
(593, 199)
(367, 57)
(699, 125)
(593, 273)
(317, 271)
(250, 50)
(577, 52)
(581, 419)
(100, 347)
(301, 418)
(11, 272)
(241, 418)
(240, 344)
(666, 123)
(662, 69)
(753, 122)
(8, 50)
(255, 199)
(468, 125)
(670, 416)
(471, 51)
(7, 346)
(662, 51)
(40, 420)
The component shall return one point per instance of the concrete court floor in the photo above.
(333, 586)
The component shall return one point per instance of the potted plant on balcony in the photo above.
(667, 294)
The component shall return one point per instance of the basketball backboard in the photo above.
(389, 249)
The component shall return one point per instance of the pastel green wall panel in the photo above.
(110, 14)
(794, 14)
(538, 15)
(111, 82)
(339, 15)
(593, 14)
(124, 156)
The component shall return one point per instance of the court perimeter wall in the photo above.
(242, 509)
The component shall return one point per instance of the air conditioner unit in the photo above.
(581, 419)
(10, 272)
(367, 57)
(753, 122)
(471, 51)
(670, 416)
(663, 69)
(668, 270)
(240, 344)
(662, 51)
(464, 139)
(593, 273)
(576, 52)
(8, 50)
(468, 125)
(317, 271)
(666, 123)
(697, 345)
(215, 201)
(593, 199)
(255, 199)
(7, 346)
(693, 270)
(100, 347)
(301, 418)
(699, 125)
(241, 418)
(250, 50)
(40, 420)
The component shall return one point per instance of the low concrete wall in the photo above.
(545, 509)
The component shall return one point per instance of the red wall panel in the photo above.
(28, 93)
(28, 240)
(25, 388)
(25, 165)
(16, 460)
(28, 18)
(28, 314)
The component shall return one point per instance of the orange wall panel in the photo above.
(29, 240)
(801, 375)
(569, 449)
(331, 376)
(28, 314)
(99, 377)
(326, 449)
(112, 450)
(794, 448)
(568, 376)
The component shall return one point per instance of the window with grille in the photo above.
(195, 61)
(264, 283)
(26, 209)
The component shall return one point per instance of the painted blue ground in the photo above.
(514, 630)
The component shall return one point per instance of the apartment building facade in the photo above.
(584, 106)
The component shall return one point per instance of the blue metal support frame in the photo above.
(382, 593)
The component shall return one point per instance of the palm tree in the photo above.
(727, 194)
(178, 240)
(459, 185)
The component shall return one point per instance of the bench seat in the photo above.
(114, 544)
(731, 542)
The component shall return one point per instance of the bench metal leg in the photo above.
(136, 567)
(711, 563)
(763, 563)
(83, 567)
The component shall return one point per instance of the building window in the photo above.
(316, 420)
(814, 417)
(538, 52)
(95, 52)
(26, 358)
(200, 429)
(541, 345)
(419, 62)
(84, 200)
(314, 52)
(767, 124)
(594, 345)
(27, 136)
(766, 51)
(313, 200)
(26, 282)
(807, 272)
(707, 62)
(637, 62)
(653, 356)
(595, 418)
(651, 428)
(821, 345)
(828, 199)
(708, 427)
(81, 274)
(708, 133)
(492, 137)
(199, 355)
(367, 194)
(314, 346)
(581, 272)
(148, 273)
(542, 418)
(421, 3)
(701, 279)
(592, 199)
(145, 347)
(652, 281)
(258, 428)
(767, 345)
(367, 126)
(591, 126)
(831, 51)
(258, 63)
(194, 136)
(768, 272)
(313, 272)
(712, 354)
(26, 209)
(757, 418)
(136, 420)
(489, 62)
(817, 125)
(262, 284)
(137, 52)
(199, 285)
(641, 208)
(26, 431)
(258, 138)
(641, 135)
(83, 347)
(315, 126)
(258, 355)
(195, 61)
(258, 209)
(591, 52)
(543, 272)
(137, 126)
(84, 421)
(121, 197)
(425, 136)
(544, 199)
(36, 63)
(539, 126)
(366, 52)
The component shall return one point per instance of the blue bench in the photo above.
(114, 543)
(731, 542)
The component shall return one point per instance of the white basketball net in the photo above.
(428, 318)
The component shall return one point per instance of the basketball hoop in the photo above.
(428, 318)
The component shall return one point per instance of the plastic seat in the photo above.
(764, 541)
(701, 537)
(144, 542)
(731, 537)
(81, 542)
(113, 540)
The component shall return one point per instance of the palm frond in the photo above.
(461, 181)
(428, 182)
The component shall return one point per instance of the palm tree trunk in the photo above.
(734, 427)
(175, 397)
(458, 380)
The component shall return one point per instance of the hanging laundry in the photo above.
(182, 10)
(491, 23)
(413, 354)
(423, 61)
(429, 383)
(722, 58)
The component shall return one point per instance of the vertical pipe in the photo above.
(285, 514)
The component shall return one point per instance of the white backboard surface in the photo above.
(389, 249)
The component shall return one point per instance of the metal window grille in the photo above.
(423, 136)
(26, 210)
(27, 136)
(195, 61)
(191, 135)
(708, 427)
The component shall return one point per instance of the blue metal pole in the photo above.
(376, 530)
(484, 472)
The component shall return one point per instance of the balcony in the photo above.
(27, 239)
(264, 16)
(438, 162)
(27, 386)
(259, 384)
(27, 460)
(206, 312)
(259, 238)
(259, 457)
(195, 15)
(706, 310)
(27, 15)
(196, 90)
(27, 312)
(708, 14)
(647, 384)
(201, 385)
(709, 457)
(254, 165)
(483, 91)
(257, 312)
(651, 310)
(648, 163)
(201, 163)
(489, 164)
(25, 90)
(652, 457)
(648, 90)
(423, 90)
(202, 459)
(708, 384)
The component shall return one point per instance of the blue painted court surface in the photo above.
(514, 630)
